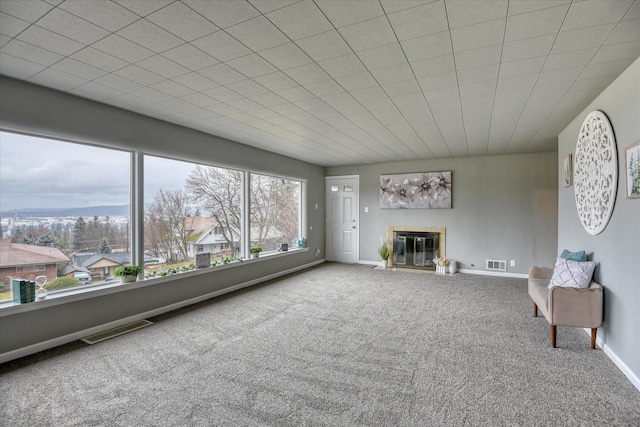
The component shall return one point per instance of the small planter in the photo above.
(129, 279)
(255, 254)
(441, 269)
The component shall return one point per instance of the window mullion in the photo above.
(137, 208)
(246, 214)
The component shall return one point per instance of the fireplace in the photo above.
(415, 247)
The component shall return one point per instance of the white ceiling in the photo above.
(334, 82)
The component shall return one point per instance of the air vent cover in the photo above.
(93, 339)
(496, 265)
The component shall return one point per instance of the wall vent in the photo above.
(93, 339)
(496, 265)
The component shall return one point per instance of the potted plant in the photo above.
(128, 272)
(384, 253)
(255, 251)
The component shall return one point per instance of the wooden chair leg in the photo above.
(553, 335)
(535, 310)
(594, 333)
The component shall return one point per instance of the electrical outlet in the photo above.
(512, 263)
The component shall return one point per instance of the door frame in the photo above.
(356, 208)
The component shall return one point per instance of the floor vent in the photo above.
(93, 339)
(496, 265)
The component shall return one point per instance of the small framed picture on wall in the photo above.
(632, 161)
(567, 173)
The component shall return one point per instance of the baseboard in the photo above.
(45, 345)
(365, 262)
(616, 360)
(494, 273)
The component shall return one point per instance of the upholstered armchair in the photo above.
(566, 306)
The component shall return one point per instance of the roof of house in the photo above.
(116, 257)
(14, 254)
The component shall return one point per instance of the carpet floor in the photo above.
(334, 345)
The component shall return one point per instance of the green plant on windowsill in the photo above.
(255, 251)
(128, 272)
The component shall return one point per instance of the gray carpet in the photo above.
(336, 345)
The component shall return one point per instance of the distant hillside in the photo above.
(88, 212)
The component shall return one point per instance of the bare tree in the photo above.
(219, 191)
(274, 210)
(166, 233)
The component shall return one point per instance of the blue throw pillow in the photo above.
(580, 256)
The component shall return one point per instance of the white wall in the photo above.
(504, 207)
(617, 248)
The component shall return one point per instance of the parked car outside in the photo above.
(84, 278)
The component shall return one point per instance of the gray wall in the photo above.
(617, 248)
(33, 109)
(504, 207)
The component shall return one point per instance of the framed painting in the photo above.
(632, 175)
(567, 174)
(423, 190)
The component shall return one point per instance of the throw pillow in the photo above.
(573, 274)
(575, 256)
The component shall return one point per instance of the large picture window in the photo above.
(64, 212)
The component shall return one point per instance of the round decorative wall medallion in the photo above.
(595, 175)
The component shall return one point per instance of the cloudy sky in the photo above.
(43, 173)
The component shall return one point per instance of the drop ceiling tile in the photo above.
(94, 91)
(433, 66)
(375, 105)
(616, 52)
(528, 48)
(244, 104)
(150, 94)
(78, 69)
(349, 12)
(18, 68)
(324, 46)
(172, 88)
(266, 6)
(178, 105)
(264, 113)
(57, 80)
(383, 56)
(447, 95)
(391, 6)
(222, 94)
(306, 74)
(223, 109)
(338, 99)
(221, 46)
(300, 20)
(311, 104)
(610, 69)
(195, 81)
(276, 81)
(139, 75)
(258, 34)
(222, 74)
(522, 67)
(369, 94)
(397, 73)
(480, 74)
(191, 57)
(430, 46)
(419, 21)
(517, 82)
(633, 13)
(182, 21)
(480, 88)
(357, 81)
(150, 35)
(247, 88)
(595, 12)
(478, 57)
(324, 88)
(368, 34)
(199, 99)
(286, 56)
(478, 35)
(251, 65)
(465, 13)
(122, 48)
(556, 76)
(582, 38)
(11, 26)
(99, 59)
(116, 82)
(49, 40)
(533, 24)
(626, 31)
(223, 13)
(30, 53)
(438, 81)
(517, 7)
(107, 15)
(162, 66)
(27, 11)
(269, 99)
(342, 66)
(4, 40)
(569, 59)
(71, 26)
(401, 88)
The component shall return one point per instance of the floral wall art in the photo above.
(426, 190)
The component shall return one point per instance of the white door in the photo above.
(342, 219)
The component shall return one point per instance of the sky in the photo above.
(44, 173)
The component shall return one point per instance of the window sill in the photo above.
(83, 293)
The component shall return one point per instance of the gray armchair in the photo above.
(565, 306)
